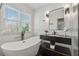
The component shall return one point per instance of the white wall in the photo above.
(71, 21)
(39, 25)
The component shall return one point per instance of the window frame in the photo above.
(29, 19)
(19, 18)
(14, 9)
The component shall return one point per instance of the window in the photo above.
(14, 20)
(11, 14)
(11, 20)
(25, 22)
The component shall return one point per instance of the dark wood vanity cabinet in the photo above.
(45, 49)
(48, 38)
(58, 39)
(45, 37)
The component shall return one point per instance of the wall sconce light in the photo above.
(74, 8)
(67, 10)
(47, 14)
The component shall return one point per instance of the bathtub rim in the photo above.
(2, 46)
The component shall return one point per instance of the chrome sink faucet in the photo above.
(54, 32)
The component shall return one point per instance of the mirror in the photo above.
(56, 19)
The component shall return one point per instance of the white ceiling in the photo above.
(36, 5)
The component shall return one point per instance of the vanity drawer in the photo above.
(44, 37)
(63, 40)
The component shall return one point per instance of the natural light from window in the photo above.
(15, 21)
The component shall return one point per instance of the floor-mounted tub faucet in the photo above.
(22, 35)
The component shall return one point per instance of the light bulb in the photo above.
(47, 12)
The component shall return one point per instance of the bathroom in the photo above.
(33, 20)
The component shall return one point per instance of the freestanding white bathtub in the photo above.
(28, 47)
